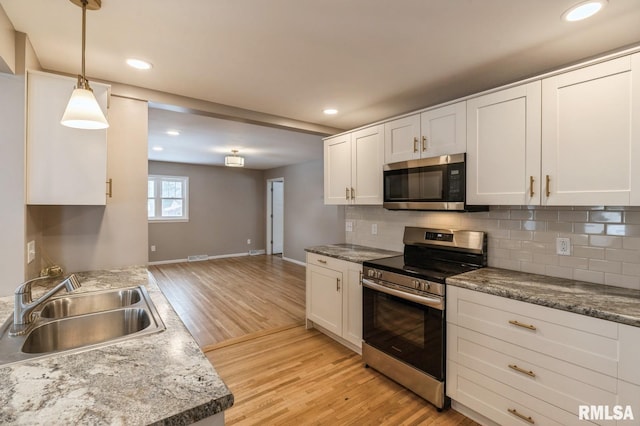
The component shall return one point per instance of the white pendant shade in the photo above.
(234, 160)
(83, 111)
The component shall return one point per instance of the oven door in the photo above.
(407, 330)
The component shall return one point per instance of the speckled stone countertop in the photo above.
(595, 300)
(161, 378)
(351, 252)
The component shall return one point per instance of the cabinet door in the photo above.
(324, 297)
(444, 130)
(503, 147)
(589, 152)
(352, 306)
(337, 170)
(628, 369)
(65, 166)
(402, 139)
(367, 153)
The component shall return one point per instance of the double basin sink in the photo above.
(80, 321)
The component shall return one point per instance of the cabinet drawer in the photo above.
(326, 261)
(588, 342)
(555, 381)
(489, 398)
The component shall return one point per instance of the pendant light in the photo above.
(83, 111)
(234, 160)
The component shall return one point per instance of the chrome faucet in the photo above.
(25, 305)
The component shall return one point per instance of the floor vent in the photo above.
(255, 252)
(197, 257)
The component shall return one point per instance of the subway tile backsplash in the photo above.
(605, 241)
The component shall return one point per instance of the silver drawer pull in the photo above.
(520, 324)
(522, 416)
(322, 261)
(522, 370)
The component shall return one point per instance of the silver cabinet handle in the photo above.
(324, 262)
(548, 186)
(424, 143)
(110, 188)
(353, 194)
(347, 193)
(415, 144)
(337, 284)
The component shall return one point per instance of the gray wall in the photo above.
(307, 221)
(12, 213)
(226, 207)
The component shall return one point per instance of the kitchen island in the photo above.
(161, 378)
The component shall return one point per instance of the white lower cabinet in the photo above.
(518, 363)
(334, 298)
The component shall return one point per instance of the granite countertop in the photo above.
(610, 303)
(160, 378)
(351, 252)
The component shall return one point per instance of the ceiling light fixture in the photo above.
(330, 111)
(139, 64)
(83, 111)
(158, 148)
(173, 132)
(234, 160)
(583, 10)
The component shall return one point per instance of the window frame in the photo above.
(157, 181)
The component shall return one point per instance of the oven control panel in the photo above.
(403, 280)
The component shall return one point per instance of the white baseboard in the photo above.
(219, 256)
(288, 259)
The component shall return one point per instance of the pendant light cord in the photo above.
(84, 83)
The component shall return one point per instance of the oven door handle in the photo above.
(433, 302)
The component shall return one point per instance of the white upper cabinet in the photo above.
(367, 156)
(65, 166)
(503, 147)
(337, 169)
(353, 167)
(440, 131)
(590, 125)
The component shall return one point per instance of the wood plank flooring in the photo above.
(229, 298)
(247, 314)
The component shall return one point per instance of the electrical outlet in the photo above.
(153, 248)
(563, 246)
(374, 229)
(348, 226)
(249, 241)
(31, 251)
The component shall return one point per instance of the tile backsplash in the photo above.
(605, 241)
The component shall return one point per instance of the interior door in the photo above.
(277, 217)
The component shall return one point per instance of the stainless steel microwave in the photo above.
(436, 183)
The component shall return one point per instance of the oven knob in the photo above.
(378, 274)
(370, 273)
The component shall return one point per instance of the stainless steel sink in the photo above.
(77, 332)
(90, 303)
(81, 321)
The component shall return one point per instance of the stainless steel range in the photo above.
(404, 306)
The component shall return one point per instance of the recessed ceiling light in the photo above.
(139, 64)
(173, 132)
(583, 10)
(330, 111)
(157, 148)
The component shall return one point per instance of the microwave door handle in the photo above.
(433, 302)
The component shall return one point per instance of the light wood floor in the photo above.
(280, 373)
(229, 298)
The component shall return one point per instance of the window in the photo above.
(168, 198)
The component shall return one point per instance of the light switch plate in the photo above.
(31, 251)
(563, 246)
(374, 229)
(348, 226)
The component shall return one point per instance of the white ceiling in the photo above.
(207, 140)
(370, 59)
